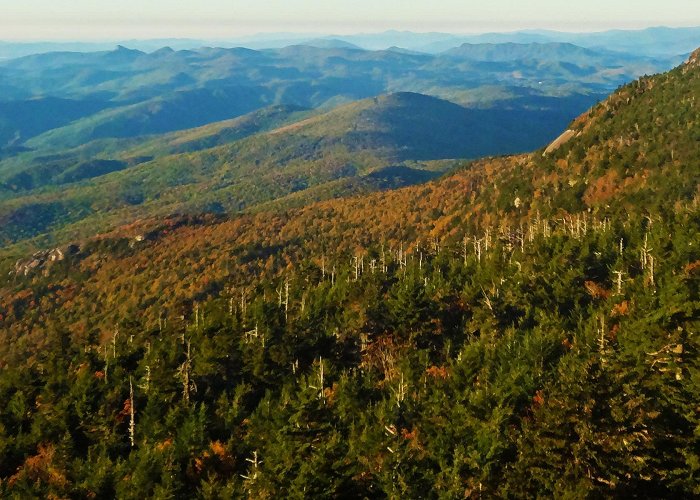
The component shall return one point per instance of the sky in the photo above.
(222, 19)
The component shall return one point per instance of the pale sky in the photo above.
(220, 19)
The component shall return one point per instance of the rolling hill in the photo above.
(25, 118)
(166, 113)
(541, 52)
(188, 171)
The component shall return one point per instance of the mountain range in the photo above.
(655, 42)
(95, 139)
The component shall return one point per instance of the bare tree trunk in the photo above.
(321, 393)
(132, 422)
(286, 299)
(477, 250)
(618, 281)
(602, 343)
(184, 373)
(106, 355)
(401, 392)
(114, 342)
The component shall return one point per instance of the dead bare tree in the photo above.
(618, 281)
(251, 334)
(106, 358)
(465, 240)
(255, 463)
(383, 261)
(644, 253)
(319, 377)
(401, 391)
(132, 411)
(477, 249)
(286, 299)
(147, 380)
(321, 392)
(184, 373)
(114, 342)
(244, 303)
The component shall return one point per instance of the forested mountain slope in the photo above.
(373, 136)
(39, 168)
(524, 326)
(164, 113)
(30, 117)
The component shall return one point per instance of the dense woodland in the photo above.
(525, 326)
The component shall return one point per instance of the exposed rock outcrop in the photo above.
(559, 142)
(44, 259)
(693, 61)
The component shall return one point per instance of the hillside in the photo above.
(349, 142)
(166, 113)
(33, 169)
(21, 119)
(541, 52)
(523, 326)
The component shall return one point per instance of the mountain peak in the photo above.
(121, 48)
(330, 43)
(163, 51)
(694, 59)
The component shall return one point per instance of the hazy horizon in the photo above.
(271, 35)
(87, 20)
